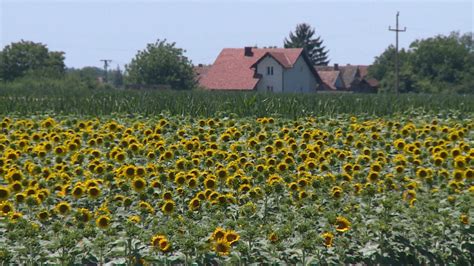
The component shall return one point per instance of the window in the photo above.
(270, 71)
(269, 88)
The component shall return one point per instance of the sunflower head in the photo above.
(342, 224)
(231, 236)
(93, 192)
(165, 245)
(218, 233)
(168, 207)
(6, 207)
(328, 238)
(83, 215)
(273, 237)
(63, 208)
(139, 184)
(4, 193)
(194, 204)
(222, 247)
(103, 221)
(155, 240)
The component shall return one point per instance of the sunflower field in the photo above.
(170, 189)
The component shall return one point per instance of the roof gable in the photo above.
(330, 78)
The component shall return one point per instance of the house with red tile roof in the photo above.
(263, 70)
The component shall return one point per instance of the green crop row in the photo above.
(205, 104)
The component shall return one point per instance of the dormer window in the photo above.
(270, 71)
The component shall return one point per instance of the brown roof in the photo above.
(324, 68)
(363, 70)
(329, 78)
(232, 70)
(349, 74)
(373, 82)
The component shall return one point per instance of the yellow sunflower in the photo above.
(222, 247)
(4, 193)
(139, 184)
(6, 207)
(342, 224)
(231, 236)
(103, 221)
(194, 204)
(63, 208)
(168, 207)
(93, 192)
(328, 238)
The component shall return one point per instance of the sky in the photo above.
(354, 31)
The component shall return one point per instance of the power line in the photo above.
(397, 30)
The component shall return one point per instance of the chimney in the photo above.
(200, 65)
(336, 67)
(248, 51)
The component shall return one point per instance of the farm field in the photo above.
(339, 187)
(38, 97)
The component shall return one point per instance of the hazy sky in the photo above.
(354, 31)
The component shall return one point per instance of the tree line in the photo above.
(437, 64)
(440, 64)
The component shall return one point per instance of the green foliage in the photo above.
(30, 58)
(303, 38)
(438, 64)
(161, 63)
(71, 96)
(116, 77)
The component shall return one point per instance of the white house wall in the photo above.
(299, 78)
(275, 80)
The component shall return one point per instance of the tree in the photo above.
(161, 63)
(117, 77)
(26, 57)
(437, 64)
(303, 38)
(383, 69)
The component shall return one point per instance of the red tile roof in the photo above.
(232, 70)
(329, 78)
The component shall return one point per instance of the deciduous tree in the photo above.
(25, 57)
(161, 63)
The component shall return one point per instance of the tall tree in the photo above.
(26, 57)
(303, 38)
(161, 63)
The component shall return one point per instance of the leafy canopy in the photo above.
(303, 38)
(161, 63)
(437, 64)
(25, 57)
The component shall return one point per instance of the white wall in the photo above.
(299, 78)
(275, 80)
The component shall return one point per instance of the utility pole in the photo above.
(397, 30)
(106, 65)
